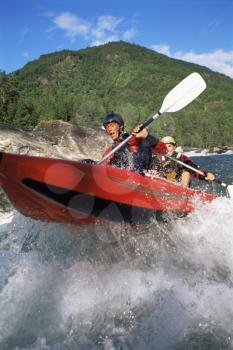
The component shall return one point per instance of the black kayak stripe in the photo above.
(91, 205)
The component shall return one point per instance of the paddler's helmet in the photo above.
(113, 117)
(169, 139)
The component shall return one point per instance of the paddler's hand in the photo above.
(209, 177)
(140, 134)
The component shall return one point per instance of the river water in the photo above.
(161, 286)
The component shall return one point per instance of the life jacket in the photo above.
(124, 157)
(169, 169)
(135, 155)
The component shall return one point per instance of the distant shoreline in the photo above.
(209, 150)
(206, 152)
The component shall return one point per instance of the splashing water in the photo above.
(161, 287)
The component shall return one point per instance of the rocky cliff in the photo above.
(55, 139)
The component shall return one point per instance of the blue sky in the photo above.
(199, 31)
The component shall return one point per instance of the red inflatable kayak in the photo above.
(66, 191)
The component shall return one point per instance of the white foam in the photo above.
(6, 218)
(64, 292)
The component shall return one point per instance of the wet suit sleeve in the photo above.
(187, 160)
(158, 147)
(150, 141)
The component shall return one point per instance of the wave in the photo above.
(111, 287)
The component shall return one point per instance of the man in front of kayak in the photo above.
(135, 155)
(174, 171)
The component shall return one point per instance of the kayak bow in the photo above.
(58, 190)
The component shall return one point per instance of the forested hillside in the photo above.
(81, 86)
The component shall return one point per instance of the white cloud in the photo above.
(129, 34)
(25, 54)
(219, 60)
(104, 29)
(72, 25)
(162, 48)
(108, 23)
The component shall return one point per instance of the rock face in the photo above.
(220, 149)
(55, 139)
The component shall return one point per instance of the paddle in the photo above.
(228, 187)
(179, 97)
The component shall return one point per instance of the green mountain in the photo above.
(81, 86)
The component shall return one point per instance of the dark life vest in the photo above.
(128, 158)
(123, 158)
(170, 169)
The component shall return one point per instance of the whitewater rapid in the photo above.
(119, 287)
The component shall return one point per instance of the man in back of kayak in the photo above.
(174, 171)
(135, 155)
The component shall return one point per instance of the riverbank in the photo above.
(208, 151)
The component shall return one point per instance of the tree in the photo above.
(8, 95)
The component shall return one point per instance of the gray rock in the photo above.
(55, 139)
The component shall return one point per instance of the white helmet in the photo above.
(169, 139)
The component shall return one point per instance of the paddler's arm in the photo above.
(153, 142)
(138, 137)
(140, 134)
(206, 176)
